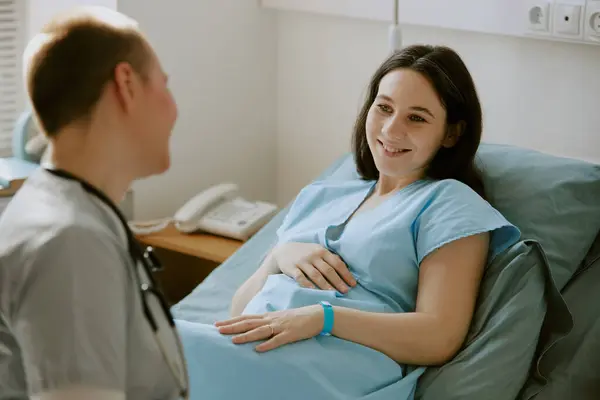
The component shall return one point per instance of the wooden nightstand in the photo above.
(187, 259)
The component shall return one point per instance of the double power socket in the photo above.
(572, 20)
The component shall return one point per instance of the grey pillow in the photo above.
(516, 291)
(553, 200)
(570, 368)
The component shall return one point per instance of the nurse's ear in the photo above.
(127, 86)
(453, 134)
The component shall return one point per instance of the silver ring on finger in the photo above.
(272, 330)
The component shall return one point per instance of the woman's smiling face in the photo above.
(406, 125)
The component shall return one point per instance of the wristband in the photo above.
(327, 318)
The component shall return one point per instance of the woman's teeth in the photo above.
(392, 149)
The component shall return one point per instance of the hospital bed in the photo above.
(535, 333)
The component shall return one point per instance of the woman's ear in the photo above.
(453, 134)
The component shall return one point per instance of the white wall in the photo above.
(220, 55)
(534, 93)
(41, 11)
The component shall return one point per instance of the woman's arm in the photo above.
(253, 285)
(448, 286)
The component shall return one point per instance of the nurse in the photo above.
(75, 287)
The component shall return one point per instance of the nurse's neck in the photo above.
(94, 153)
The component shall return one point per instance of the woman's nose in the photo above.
(394, 127)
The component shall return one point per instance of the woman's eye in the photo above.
(416, 118)
(385, 108)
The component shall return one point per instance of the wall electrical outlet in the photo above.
(567, 20)
(539, 16)
(595, 23)
(592, 21)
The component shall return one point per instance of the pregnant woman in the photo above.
(373, 279)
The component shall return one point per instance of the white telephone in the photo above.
(217, 210)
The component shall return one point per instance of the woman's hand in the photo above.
(313, 265)
(277, 328)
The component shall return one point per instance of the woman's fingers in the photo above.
(242, 326)
(301, 279)
(331, 275)
(237, 319)
(276, 341)
(258, 333)
(315, 276)
(340, 267)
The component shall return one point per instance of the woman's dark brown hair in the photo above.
(455, 87)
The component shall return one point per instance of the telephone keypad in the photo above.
(237, 211)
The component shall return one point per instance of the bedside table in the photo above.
(187, 258)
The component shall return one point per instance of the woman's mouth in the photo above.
(390, 151)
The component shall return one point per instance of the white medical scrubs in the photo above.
(69, 294)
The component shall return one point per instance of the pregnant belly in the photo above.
(281, 292)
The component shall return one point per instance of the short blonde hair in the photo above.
(68, 64)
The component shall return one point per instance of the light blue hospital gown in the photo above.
(383, 248)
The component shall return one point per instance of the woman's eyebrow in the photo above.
(423, 109)
(385, 97)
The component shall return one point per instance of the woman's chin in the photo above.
(390, 167)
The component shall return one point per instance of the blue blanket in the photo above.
(324, 367)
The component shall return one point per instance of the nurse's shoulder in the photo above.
(52, 225)
(47, 211)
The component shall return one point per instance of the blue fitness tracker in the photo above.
(327, 318)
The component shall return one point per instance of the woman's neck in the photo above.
(387, 185)
(100, 163)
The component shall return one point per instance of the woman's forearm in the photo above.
(253, 285)
(408, 338)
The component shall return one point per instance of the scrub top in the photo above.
(70, 297)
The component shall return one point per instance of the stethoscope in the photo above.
(150, 263)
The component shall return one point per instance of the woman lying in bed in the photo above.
(398, 255)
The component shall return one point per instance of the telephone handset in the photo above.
(218, 210)
(187, 217)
